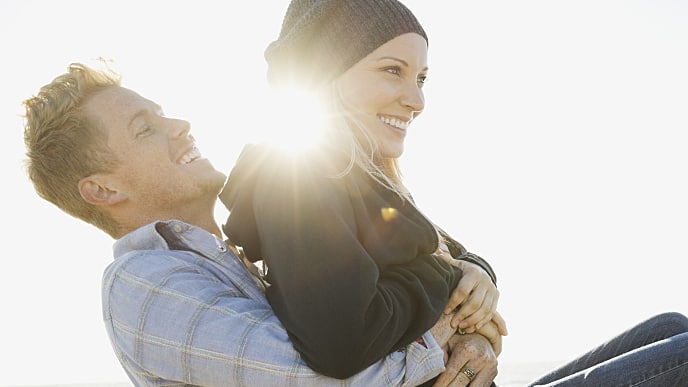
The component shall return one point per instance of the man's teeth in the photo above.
(396, 123)
(191, 156)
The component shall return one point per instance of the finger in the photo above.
(460, 380)
(501, 323)
(497, 345)
(459, 294)
(484, 378)
(491, 333)
(490, 306)
(451, 370)
(481, 378)
(450, 380)
(474, 309)
(468, 323)
(466, 376)
(495, 339)
(470, 303)
(487, 319)
(451, 373)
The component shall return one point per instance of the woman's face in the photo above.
(384, 91)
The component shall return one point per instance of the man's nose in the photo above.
(179, 128)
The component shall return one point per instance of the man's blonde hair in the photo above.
(63, 145)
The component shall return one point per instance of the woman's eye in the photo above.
(422, 79)
(396, 70)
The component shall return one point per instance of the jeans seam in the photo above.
(660, 374)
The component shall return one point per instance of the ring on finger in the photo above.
(468, 372)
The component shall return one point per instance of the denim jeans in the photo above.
(653, 353)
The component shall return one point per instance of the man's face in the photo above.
(159, 168)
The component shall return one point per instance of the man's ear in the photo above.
(97, 190)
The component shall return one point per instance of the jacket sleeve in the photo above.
(459, 252)
(171, 321)
(341, 311)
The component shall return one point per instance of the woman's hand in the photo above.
(477, 297)
(491, 332)
(471, 362)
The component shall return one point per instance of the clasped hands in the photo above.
(470, 331)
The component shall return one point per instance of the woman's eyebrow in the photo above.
(395, 59)
(403, 62)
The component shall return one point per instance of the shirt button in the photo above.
(177, 228)
(222, 248)
(397, 355)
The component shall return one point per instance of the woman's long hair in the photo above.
(356, 141)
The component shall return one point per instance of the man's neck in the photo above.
(207, 222)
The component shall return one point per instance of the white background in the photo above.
(553, 144)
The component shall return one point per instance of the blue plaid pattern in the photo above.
(181, 309)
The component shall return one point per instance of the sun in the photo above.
(295, 119)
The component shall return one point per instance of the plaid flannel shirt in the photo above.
(180, 308)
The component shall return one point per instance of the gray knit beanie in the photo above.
(321, 39)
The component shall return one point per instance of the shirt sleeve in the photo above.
(323, 280)
(171, 320)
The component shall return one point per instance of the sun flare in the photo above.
(296, 120)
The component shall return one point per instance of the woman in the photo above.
(356, 271)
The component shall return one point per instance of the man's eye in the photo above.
(144, 131)
(422, 79)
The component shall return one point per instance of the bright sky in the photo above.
(553, 144)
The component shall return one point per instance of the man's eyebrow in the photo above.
(143, 112)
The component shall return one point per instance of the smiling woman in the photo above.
(340, 228)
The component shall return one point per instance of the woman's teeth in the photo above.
(403, 125)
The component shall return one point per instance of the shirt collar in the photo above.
(170, 235)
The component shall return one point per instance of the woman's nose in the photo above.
(414, 99)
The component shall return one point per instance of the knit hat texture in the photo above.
(321, 39)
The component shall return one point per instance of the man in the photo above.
(180, 306)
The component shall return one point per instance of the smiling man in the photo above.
(180, 306)
(156, 172)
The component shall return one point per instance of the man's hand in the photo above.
(471, 362)
(442, 331)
